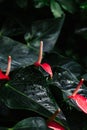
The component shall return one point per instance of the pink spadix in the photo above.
(52, 124)
(80, 100)
(44, 66)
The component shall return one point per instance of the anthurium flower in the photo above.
(80, 100)
(54, 125)
(44, 66)
(6, 75)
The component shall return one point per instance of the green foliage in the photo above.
(56, 9)
(29, 123)
(40, 3)
(31, 97)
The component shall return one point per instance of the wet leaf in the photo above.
(64, 62)
(67, 83)
(28, 89)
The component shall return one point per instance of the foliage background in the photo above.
(18, 21)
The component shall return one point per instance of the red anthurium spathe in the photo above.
(55, 126)
(52, 124)
(45, 66)
(3, 76)
(6, 75)
(80, 100)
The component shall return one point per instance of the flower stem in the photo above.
(53, 116)
(40, 53)
(78, 87)
(9, 66)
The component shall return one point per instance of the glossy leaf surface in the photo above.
(47, 30)
(28, 90)
(67, 83)
(21, 54)
(32, 123)
(64, 62)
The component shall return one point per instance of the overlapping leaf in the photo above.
(28, 90)
(21, 54)
(65, 62)
(56, 9)
(47, 30)
(33, 123)
(68, 5)
(11, 27)
(67, 82)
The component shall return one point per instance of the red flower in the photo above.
(55, 126)
(44, 66)
(3, 76)
(52, 124)
(6, 75)
(80, 100)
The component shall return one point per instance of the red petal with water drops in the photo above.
(3, 76)
(81, 102)
(55, 126)
(47, 68)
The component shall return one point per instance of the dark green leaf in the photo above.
(47, 30)
(69, 5)
(64, 62)
(56, 9)
(11, 27)
(84, 76)
(82, 32)
(20, 53)
(32, 123)
(40, 3)
(83, 5)
(67, 82)
(28, 90)
(6, 118)
(22, 3)
(3, 128)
